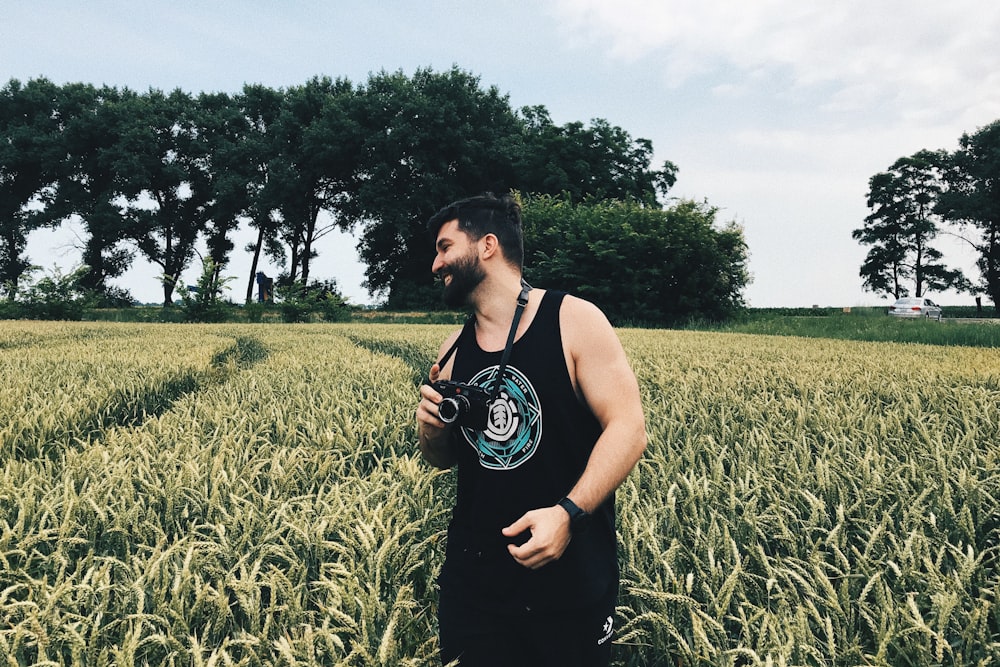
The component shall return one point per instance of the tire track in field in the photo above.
(131, 407)
(415, 356)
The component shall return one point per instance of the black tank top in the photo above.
(534, 449)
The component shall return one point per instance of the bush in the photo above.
(204, 303)
(112, 297)
(637, 263)
(301, 303)
(56, 296)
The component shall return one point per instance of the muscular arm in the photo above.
(605, 382)
(432, 433)
(608, 386)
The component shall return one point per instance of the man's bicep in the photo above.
(603, 373)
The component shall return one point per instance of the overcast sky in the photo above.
(775, 111)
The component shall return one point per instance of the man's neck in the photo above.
(495, 303)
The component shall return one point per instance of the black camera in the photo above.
(463, 404)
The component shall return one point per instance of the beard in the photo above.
(466, 274)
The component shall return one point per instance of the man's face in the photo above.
(457, 264)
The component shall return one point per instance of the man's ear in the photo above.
(489, 245)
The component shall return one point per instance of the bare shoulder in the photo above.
(597, 363)
(589, 340)
(583, 323)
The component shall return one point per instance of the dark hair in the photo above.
(486, 214)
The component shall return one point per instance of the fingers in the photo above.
(429, 399)
(550, 536)
(518, 527)
(427, 409)
(531, 554)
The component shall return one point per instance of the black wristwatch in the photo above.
(577, 517)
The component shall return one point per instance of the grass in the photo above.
(960, 327)
(867, 324)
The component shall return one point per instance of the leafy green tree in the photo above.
(972, 200)
(261, 106)
(902, 227)
(428, 139)
(318, 147)
(165, 177)
(88, 185)
(227, 144)
(638, 263)
(29, 155)
(601, 161)
(436, 137)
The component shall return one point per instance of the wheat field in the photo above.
(252, 495)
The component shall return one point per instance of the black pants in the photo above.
(476, 637)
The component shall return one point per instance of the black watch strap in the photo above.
(577, 517)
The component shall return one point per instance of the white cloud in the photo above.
(914, 54)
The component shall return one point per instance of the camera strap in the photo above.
(522, 302)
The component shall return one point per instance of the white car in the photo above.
(915, 306)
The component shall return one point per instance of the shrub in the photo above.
(204, 303)
(56, 296)
(639, 264)
(301, 303)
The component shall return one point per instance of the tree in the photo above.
(317, 150)
(601, 161)
(429, 139)
(89, 187)
(224, 133)
(261, 106)
(165, 177)
(638, 263)
(29, 155)
(972, 200)
(902, 226)
(438, 137)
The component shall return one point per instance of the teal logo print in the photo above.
(514, 427)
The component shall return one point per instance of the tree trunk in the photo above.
(253, 265)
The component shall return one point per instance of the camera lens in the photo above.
(449, 409)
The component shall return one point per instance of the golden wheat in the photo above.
(252, 495)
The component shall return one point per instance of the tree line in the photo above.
(154, 172)
(927, 194)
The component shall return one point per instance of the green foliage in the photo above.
(437, 137)
(89, 187)
(599, 161)
(166, 160)
(29, 158)
(902, 227)
(318, 300)
(157, 172)
(204, 303)
(639, 264)
(915, 197)
(254, 312)
(972, 201)
(56, 296)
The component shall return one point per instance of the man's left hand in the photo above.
(550, 535)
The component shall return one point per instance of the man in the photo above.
(531, 573)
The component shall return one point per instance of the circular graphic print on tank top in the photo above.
(514, 426)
